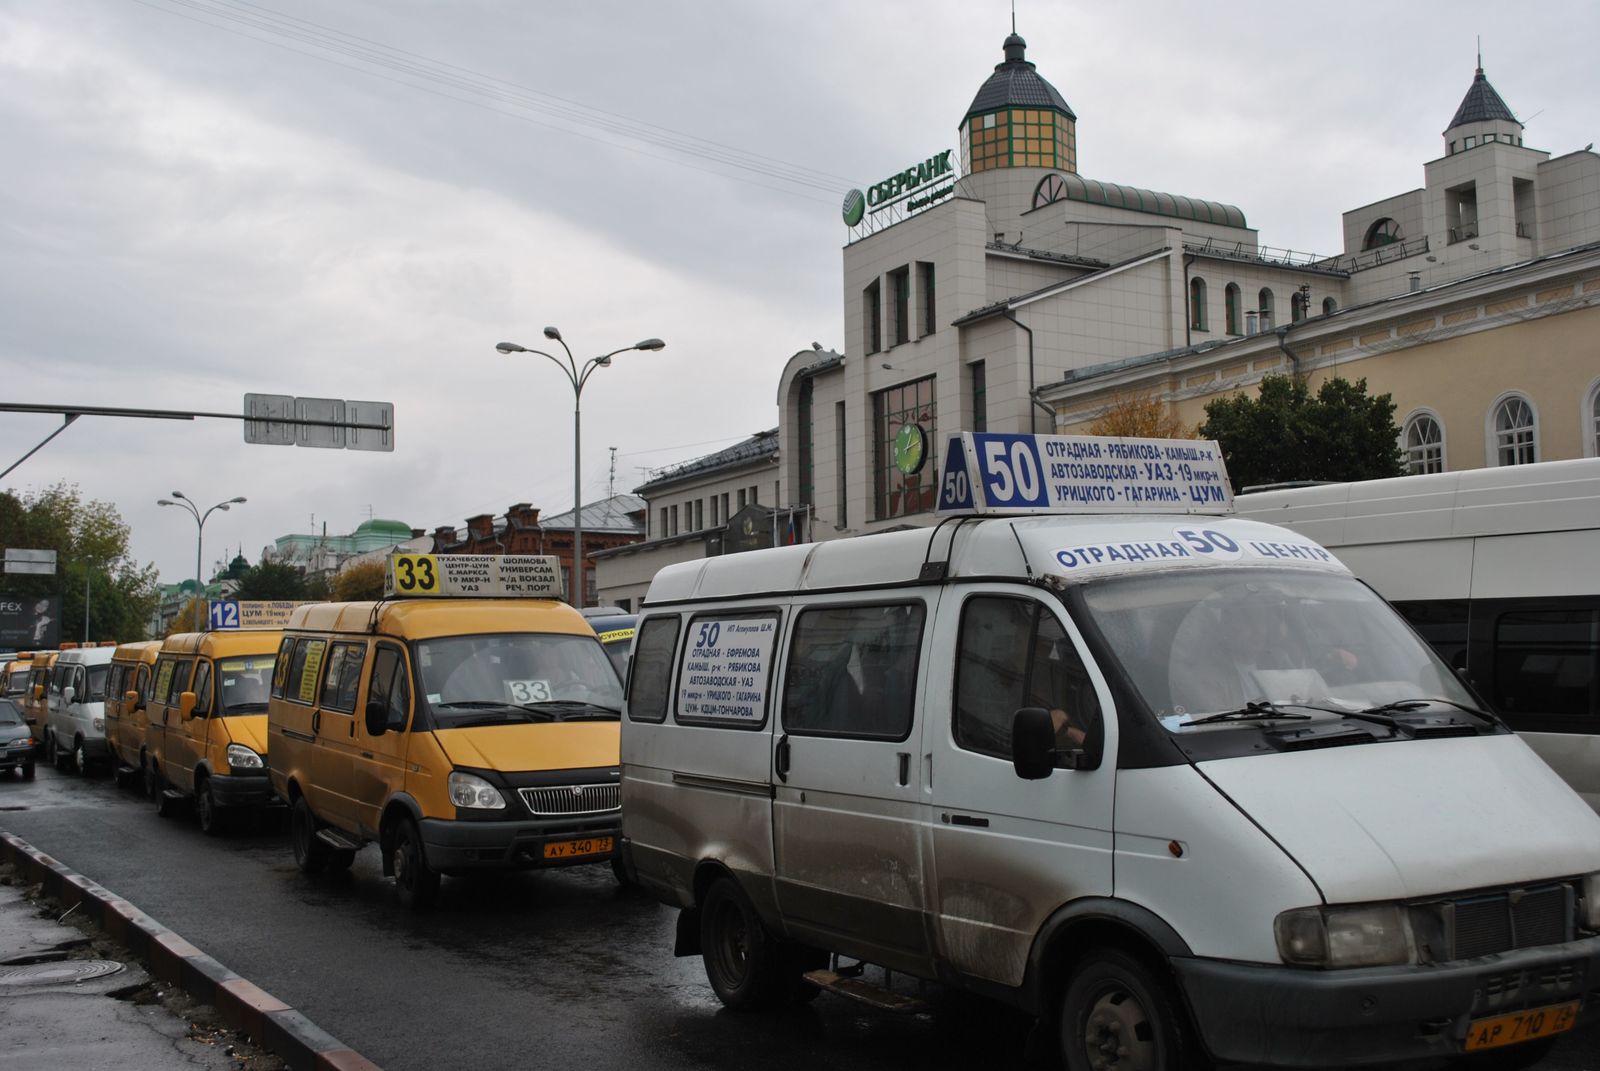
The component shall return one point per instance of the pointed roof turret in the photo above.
(1481, 104)
(1016, 84)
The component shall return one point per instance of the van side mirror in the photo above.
(377, 717)
(186, 702)
(1033, 743)
(69, 696)
(38, 692)
(130, 700)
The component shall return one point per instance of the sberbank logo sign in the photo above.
(897, 188)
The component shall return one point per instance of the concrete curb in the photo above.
(244, 1006)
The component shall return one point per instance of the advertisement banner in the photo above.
(30, 622)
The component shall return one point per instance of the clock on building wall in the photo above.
(910, 449)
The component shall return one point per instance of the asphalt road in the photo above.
(558, 968)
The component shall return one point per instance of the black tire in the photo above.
(27, 771)
(119, 774)
(1118, 1015)
(213, 819)
(80, 757)
(310, 854)
(149, 780)
(62, 756)
(47, 745)
(744, 963)
(415, 881)
(166, 806)
(619, 872)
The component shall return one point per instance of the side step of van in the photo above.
(336, 840)
(865, 992)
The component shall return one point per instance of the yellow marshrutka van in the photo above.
(206, 735)
(126, 713)
(14, 676)
(455, 722)
(36, 701)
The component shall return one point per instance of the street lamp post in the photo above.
(200, 529)
(578, 374)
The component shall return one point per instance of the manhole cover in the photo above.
(65, 972)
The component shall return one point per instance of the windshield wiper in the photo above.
(572, 709)
(1402, 706)
(1256, 710)
(506, 717)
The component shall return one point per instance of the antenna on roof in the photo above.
(1014, 18)
(1480, 53)
(611, 481)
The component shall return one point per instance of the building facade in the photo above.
(993, 287)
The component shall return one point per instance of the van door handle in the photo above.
(366, 754)
(780, 762)
(969, 820)
(316, 720)
(905, 767)
(353, 730)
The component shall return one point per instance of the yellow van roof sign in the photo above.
(473, 576)
(1001, 473)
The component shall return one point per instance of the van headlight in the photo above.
(1589, 912)
(1377, 935)
(467, 790)
(242, 758)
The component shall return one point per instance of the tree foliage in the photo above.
(1339, 434)
(1140, 416)
(191, 618)
(90, 539)
(359, 582)
(271, 580)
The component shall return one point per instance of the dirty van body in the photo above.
(457, 734)
(1177, 786)
(127, 713)
(206, 724)
(75, 708)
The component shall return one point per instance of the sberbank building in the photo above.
(988, 285)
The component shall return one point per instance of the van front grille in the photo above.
(1500, 922)
(573, 799)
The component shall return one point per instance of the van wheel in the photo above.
(310, 854)
(1117, 1015)
(27, 771)
(47, 744)
(80, 757)
(744, 963)
(340, 860)
(149, 780)
(63, 757)
(206, 810)
(415, 881)
(166, 806)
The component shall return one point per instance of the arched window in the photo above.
(1591, 422)
(1051, 188)
(1197, 304)
(1383, 231)
(1514, 432)
(1230, 297)
(1264, 304)
(1329, 306)
(1423, 441)
(1297, 307)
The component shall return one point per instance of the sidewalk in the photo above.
(72, 1000)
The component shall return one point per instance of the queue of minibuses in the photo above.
(1173, 781)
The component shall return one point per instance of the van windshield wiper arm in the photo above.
(1402, 706)
(1256, 710)
(571, 709)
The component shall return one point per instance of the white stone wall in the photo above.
(1568, 194)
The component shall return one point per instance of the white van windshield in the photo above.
(521, 676)
(1210, 641)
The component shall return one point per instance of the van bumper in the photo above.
(241, 790)
(454, 845)
(1289, 1017)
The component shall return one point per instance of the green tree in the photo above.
(90, 539)
(1287, 433)
(271, 580)
(359, 582)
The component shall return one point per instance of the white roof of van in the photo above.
(86, 656)
(1550, 496)
(1069, 548)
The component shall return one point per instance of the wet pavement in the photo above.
(550, 968)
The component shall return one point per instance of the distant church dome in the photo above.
(377, 526)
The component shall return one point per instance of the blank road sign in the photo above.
(370, 413)
(267, 412)
(323, 435)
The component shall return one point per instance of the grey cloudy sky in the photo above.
(206, 197)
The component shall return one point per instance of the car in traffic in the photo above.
(615, 629)
(18, 749)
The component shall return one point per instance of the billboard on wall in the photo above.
(29, 622)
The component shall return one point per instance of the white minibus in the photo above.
(1176, 783)
(1499, 569)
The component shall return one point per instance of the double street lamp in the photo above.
(578, 374)
(200, 522)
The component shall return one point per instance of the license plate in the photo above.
(571, 849)
(1498, 1030)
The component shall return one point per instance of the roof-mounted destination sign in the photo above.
(473, 576)
(990, 472)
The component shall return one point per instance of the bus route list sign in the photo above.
(224, 614)
(725, 669)
(986, 472)
(474, 576)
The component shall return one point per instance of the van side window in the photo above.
(202, 688)
(1545, 663)
(651, 676)
(142, 685)
(160, 682)
(1014, 654)
(114, 679)
(389, 686)
(853, 671)
(280, 668)
(301, 684)
(343, 680)
(180, 681)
